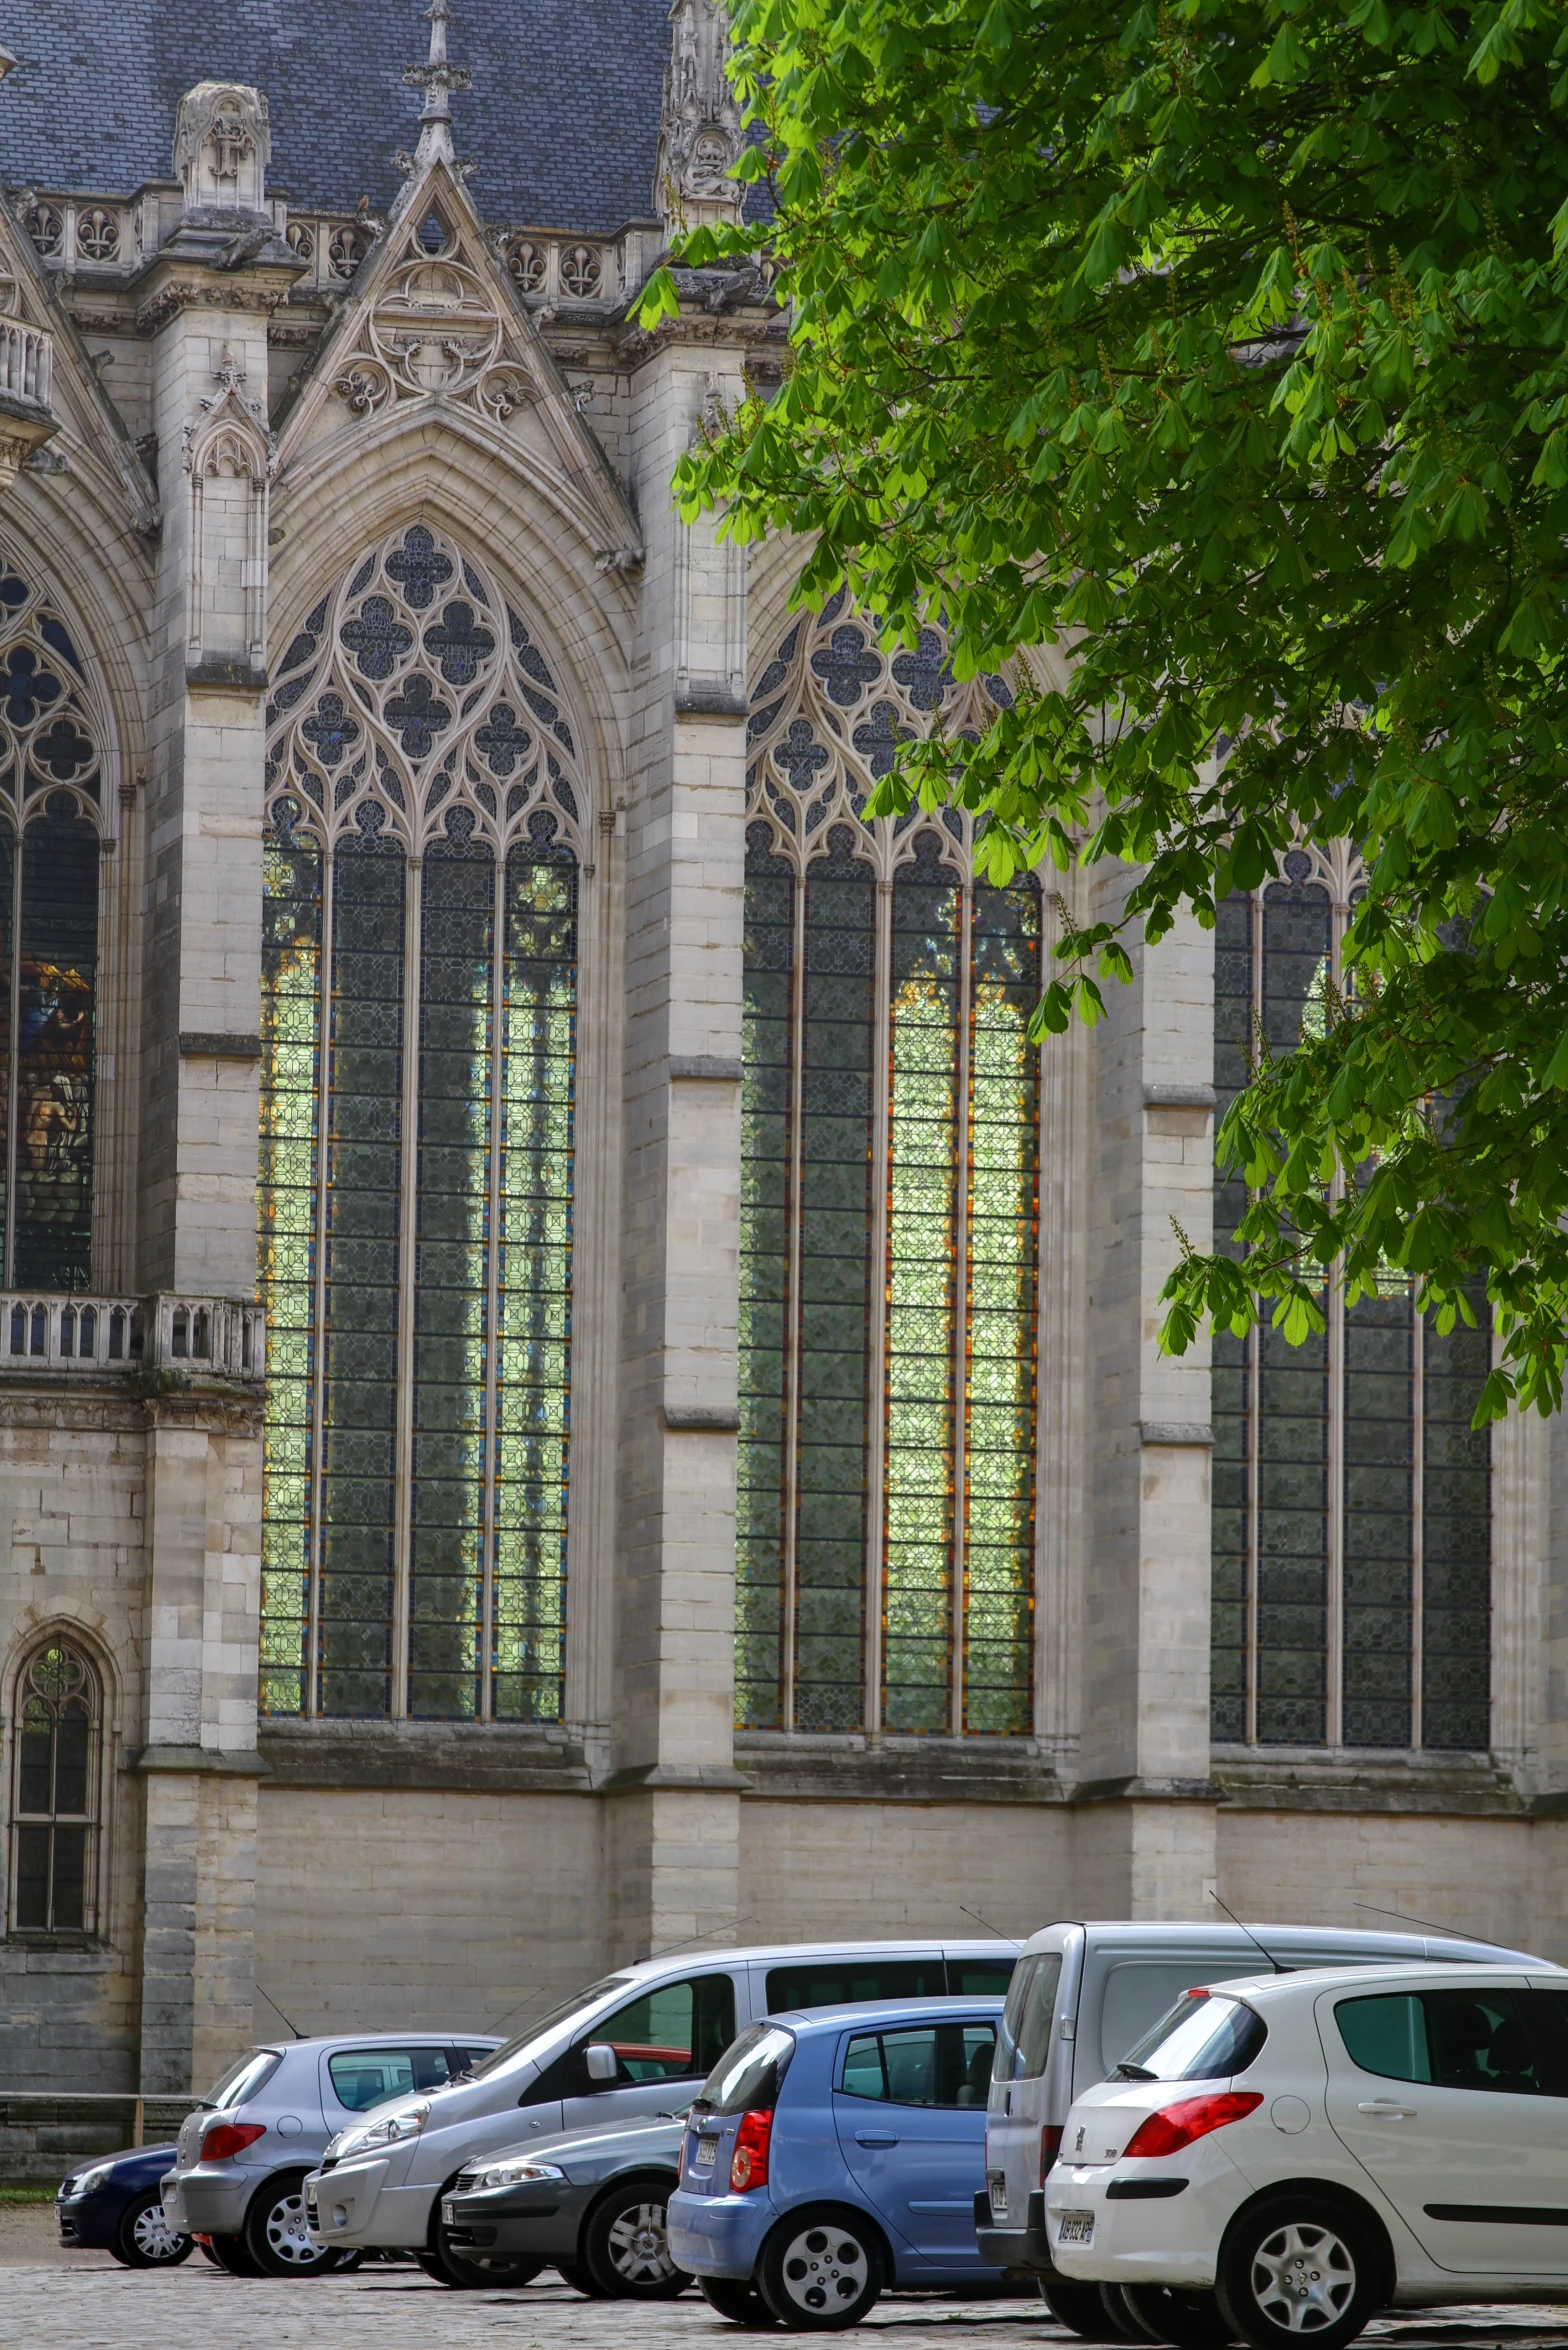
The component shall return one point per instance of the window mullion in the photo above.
(1417, 1516)
(1254, 1406)
(876, 1418)
(792, 1310)
(492, 1440)
(1334, 1302)
(11, 1059)
(318, 1342)
(408, 1217)
(963, 1173)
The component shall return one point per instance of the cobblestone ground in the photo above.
(53, 2300)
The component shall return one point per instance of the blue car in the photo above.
(833, 2153)
(114, 2203)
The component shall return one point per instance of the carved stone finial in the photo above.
(222, 146)
(438, 80)
(700, 125)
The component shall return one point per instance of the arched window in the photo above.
(419, 1028)
(1351, 1498)
(54, 1812)
(890, 1115)
(51, 774)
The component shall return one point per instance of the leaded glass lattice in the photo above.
(886, 1540)
(419, 1029)
(1351, 1541)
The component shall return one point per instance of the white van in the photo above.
(642, 2040)
(1080, 1997)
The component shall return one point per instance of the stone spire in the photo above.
(700, 125)
(438, 80)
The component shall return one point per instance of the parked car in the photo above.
(241, 2158)
(589, 2202)
(1281, 2159)
(1082, 1994)
(634, 2044)
(831, 2155)
(114, 2203)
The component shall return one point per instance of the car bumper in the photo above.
(541, 2223)
(85, 2224)
(1143, 2233)
(718, 2235)
(195, 2203)
(1027, 2249)
(352, 2205)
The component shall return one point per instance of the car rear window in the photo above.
(255, 2068)
(1204, 2037)
(748, 2075)
(847, 1982)
(1024, 2041)
(362, 2077)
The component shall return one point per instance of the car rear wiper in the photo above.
(1133, 2072)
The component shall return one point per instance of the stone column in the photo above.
(673, 1828)
(1145, 1822)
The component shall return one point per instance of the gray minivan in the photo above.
(1081, 1995)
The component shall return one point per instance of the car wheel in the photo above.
(1076, 2306)
(1117, 2323)
(478, 2272)
(626, 2247)
(1166, 2314)
(737, 2299)
(432, 2268)
(231, 2253)
(276, 2236)
(144, 2238)
(821, 2269)
(1298, 2268)
(570, 2274)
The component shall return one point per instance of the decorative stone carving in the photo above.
(435, 328)
(222, 146)
(700, 127)
(228, 451)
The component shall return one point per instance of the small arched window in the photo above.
(54, 1865)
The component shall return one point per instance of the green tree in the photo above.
(1223, 343)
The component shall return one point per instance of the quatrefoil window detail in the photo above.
(502, 742)
(50, 730)
(460, 644)
(30, 689)
(330, 730)
(376, 640)
(845, 665)
(419, 567)
(420, 716)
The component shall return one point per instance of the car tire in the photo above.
(1117, 2323)
(1076, 2306)
(625, 2250)
(821, 2269)
(737, 2299)
(1185, 2320)
(570, 2274)
(144, 2240)
(230, 2253)
(1297, 2268)
(275, 2234)
(480, 2272)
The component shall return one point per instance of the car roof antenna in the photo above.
(1453, 1932)
(277, 2010)
(990, 1929)
(1251, 1936)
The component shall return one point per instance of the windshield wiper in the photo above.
(1133, 2072)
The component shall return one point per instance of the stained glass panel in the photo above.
(533, 1396)
(451, 1300)
(838, 1042)
(1457, 1538)
(999, 1455)
(1230, 1382)
(917, 1598)
(58, 973)
(767, 1015)
(1379, 1435)
(363, 1226)
(286, 1203)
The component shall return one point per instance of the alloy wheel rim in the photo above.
(153, 2236)
(639, 2245)
(1303, 2278)
(288, 2238)
(823, 2268)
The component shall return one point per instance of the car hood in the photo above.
(651, 2134)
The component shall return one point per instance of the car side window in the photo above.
(362, 2077)
(675, 2033)
(945, 2065)
(1452, 2039)
(849, 1982)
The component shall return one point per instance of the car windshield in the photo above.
(747, 2076)
(577, 2005)
(1202, 2038)
(242, 2080)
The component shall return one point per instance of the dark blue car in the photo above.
(113, 2204)
(836, 2152)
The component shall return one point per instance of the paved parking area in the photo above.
(54, 2300)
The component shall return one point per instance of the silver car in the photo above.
(242, 2156)
(587, 2202)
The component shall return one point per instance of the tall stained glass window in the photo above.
(51, 782)
(1351, 1499)
(419, 1028)
(885, 1556)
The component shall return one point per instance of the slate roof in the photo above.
(563, 118)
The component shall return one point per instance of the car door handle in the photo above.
(876, 2137)
(1388, 2113)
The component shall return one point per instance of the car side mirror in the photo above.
(601, 2060)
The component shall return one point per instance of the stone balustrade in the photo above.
(26, 362)
(47, 1331)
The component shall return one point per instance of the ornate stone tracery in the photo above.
(51, 733)
(414, 693)
(827, 715)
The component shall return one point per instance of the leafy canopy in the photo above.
(1223, 343)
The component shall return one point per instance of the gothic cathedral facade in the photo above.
(570, 1379)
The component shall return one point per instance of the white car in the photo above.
(1279, 2159)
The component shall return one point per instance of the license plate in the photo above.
(996, 2188)
(449, 2214)
(707, 2154)
(1077, 2228)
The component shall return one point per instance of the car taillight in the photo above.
(227, 2138)
(1176, 2126)
(749, 2162)
(1050, 2147)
